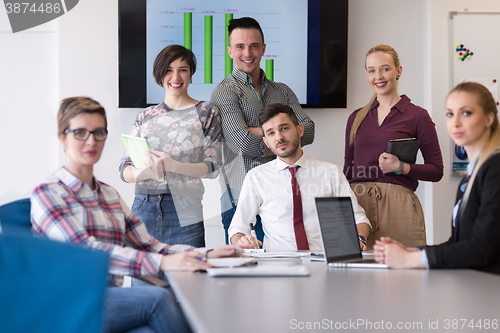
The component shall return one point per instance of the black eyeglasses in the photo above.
(81, 134)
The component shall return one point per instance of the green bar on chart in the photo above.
(270, 69)
(228, 64)
(208, 49)
(188, 30)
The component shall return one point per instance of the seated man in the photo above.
(289, 217)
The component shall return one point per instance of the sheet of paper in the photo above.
(264, 270)
(279, 254)
(230, 262)
(255, 250)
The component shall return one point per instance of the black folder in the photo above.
(405, 149)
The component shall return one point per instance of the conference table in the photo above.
(341, 299)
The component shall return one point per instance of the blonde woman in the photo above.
(472, 122)
(385, 185)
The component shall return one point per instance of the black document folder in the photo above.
(405, 149)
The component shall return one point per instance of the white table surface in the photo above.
(359, 300)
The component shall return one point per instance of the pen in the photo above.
(254, 235)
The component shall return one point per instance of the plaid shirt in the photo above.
(240, 105)
(66, 209)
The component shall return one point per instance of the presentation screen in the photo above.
(306, 46)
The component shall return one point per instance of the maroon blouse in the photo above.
(405, 120)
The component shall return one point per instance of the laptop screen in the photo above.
(338, 228)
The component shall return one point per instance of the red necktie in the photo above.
(298, 221)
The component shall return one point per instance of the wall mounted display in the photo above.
(306, 45)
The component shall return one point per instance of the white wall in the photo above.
(445, 190)
(28, 102)
(78, 55)
(395, 23)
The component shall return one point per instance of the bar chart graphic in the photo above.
(201, 26)
(208, 43)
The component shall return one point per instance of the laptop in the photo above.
(339, 234)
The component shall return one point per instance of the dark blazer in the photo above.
(475, 240)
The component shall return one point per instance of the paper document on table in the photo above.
(279, 254)
(254, 250)
(231, 262)
(260, 270)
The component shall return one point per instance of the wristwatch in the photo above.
(399, 171)
(363, 239)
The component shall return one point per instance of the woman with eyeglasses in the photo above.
(73, 206)
(185, 137)
(472, 122)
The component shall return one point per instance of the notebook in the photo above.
(339, 234)
(136, 148)
(405, 149)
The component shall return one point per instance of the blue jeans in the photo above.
(159, 214)
(228, 208)
(142, 309)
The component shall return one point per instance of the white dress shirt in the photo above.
(267, 191)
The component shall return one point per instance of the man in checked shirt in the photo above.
(240, 97)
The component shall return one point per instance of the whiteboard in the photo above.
(477, 33)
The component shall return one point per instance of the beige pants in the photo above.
(393, 211)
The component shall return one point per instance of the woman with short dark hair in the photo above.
(185, 137)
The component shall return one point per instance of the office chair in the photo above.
(48, 286)
(15, 218)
